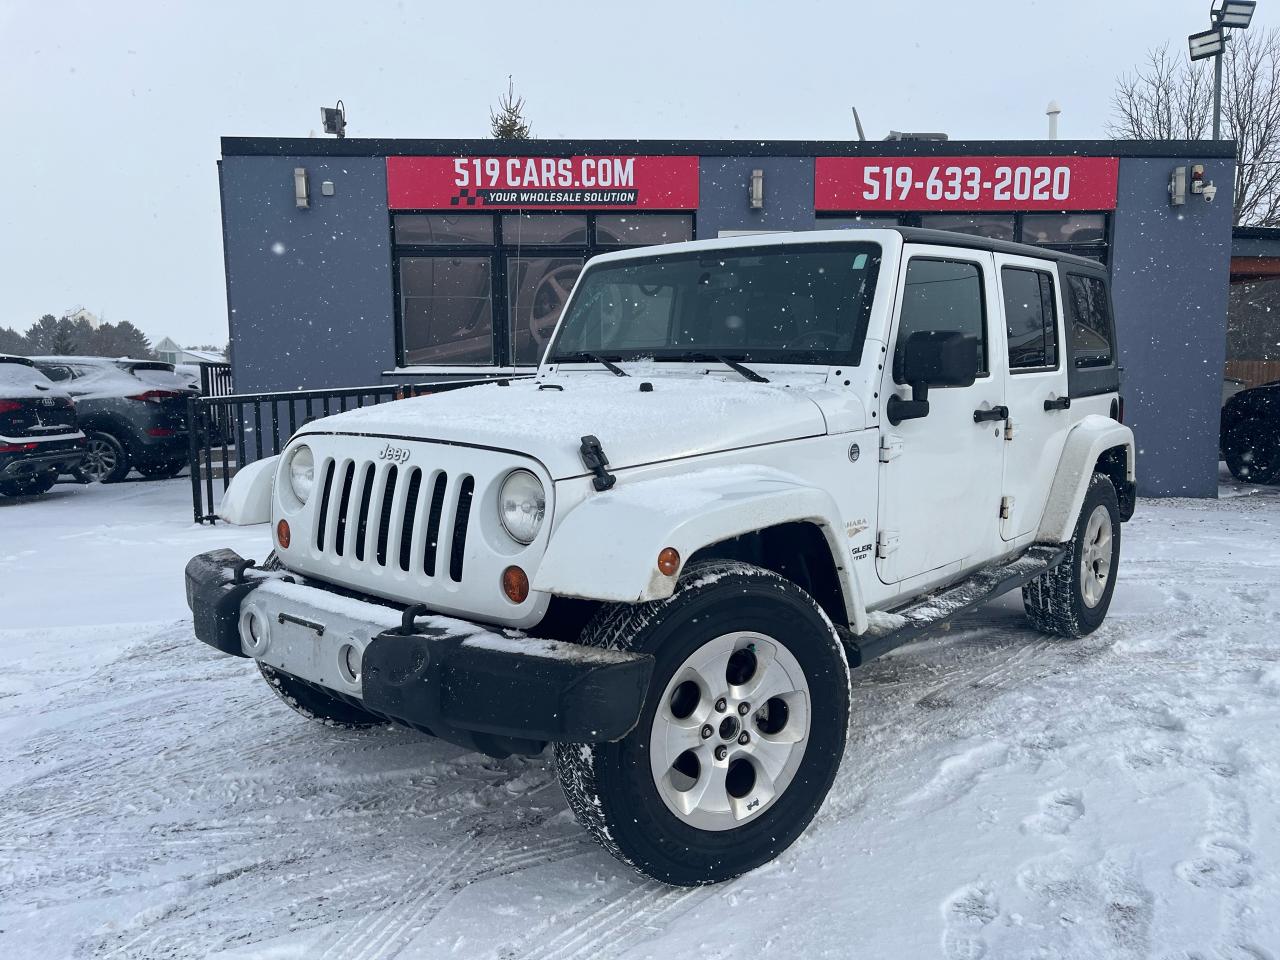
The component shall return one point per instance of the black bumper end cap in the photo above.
(214, 598)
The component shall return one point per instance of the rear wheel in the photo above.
(29, 486)
(164, 470)
(739, 739)
(105, 459)
(1252, 450)
(1072, 599)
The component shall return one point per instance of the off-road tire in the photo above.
(112, 451)
(314, 704)
(164, 470)
(610, 786)
(1054, 601)
(29, 486)
(1252, 450)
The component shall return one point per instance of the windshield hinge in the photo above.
(594, 459)
(890, 447)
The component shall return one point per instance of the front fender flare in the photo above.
(1087, 441)
(607, 547)
(248, 498)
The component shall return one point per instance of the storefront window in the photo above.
(1064, 228)
(538, 288)
(841, 223)
(619, 230)
(520, 229)
(992, 226)
(441, 230)
(488, 288)
(446, 310)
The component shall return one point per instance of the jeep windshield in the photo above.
(793, 303)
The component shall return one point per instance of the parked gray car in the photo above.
(133, 413)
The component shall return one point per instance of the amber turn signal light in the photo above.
(669, 561)
(282, 534)
(515, 584)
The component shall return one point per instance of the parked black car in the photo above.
(39, 438)
(133, 413)
(1251, 434)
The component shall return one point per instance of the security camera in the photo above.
(1209, 191)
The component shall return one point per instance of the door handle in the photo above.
(995, 413)
(1062, 403)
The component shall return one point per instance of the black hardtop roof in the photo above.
(970, 242)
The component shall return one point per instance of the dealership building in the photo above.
(355, 262)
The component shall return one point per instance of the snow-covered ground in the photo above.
(1003, 793)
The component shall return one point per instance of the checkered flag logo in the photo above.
(466, 194)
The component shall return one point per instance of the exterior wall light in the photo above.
(301, 192)
(757, 190)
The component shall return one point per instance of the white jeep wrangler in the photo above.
(743, 466)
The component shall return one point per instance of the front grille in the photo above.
(375, 514)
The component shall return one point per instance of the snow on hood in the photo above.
(683, 416)
(20, 380)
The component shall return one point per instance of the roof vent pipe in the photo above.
(1052, 111)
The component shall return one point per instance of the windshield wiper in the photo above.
(605, 362)
(740, 368)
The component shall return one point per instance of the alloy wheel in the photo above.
(730, 731)
(1095, 562)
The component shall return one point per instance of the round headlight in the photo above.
(302, 472)
(522, 504)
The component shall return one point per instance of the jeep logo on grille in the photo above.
(394, 454)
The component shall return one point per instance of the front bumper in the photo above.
(465, 683)
(63, 456)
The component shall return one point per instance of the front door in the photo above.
(1035, 389)
(940, 474)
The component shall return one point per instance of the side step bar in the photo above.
(925, 614)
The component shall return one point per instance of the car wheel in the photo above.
(1072, 599)
(1252, 450)
(164, 470)
(740, 736)
(29, 486)
(105, 459)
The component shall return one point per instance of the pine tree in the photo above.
(11, 341)
(40, 335)
(64, 340)
(508, 122)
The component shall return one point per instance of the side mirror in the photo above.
(932, 358)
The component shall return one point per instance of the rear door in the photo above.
(1035, 389)
(940, 474)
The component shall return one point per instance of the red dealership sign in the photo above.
(517, 183)
(864, 184)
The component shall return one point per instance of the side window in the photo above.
(943, 295)
(1031, 321)
(55, 372)
(1090, 317)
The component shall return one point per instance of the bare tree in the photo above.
(508, 122)
(1170, 98)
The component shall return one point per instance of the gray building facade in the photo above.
(358, 262)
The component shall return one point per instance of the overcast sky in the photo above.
(111, 112)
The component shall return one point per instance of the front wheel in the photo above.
(1072, 599)
(739, 739)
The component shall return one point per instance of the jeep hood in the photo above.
(682, 416)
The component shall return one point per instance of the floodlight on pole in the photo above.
(1233, 13)
(1208, 44)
